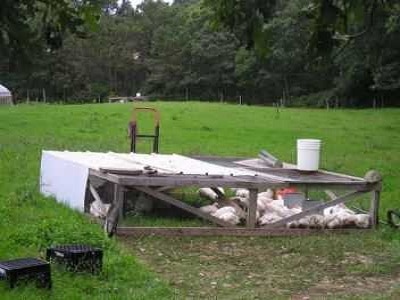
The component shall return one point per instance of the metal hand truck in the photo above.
(133, 128)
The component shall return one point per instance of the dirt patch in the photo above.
(260, 268)
(353, 287)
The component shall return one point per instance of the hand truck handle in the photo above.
(156, 114)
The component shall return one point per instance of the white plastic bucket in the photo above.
(308, 154)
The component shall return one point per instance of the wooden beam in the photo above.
(374, 208)
(119, 200)
(332, 185)
(292, 166)
(164, 188)
(218, 231)
(375, 178)
(121, 171)
(106, 176)
(113, 215)
(182, 205)
(330, 194)
(315, 209)
(94, 193)
(185, 180)
(252, 212)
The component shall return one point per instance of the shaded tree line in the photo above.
(304, 53)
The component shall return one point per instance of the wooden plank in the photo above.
(315, 209)
(183, 205)
(331, 194)
(270, 179)
(121, 171)
(174, 180)
(356, 178)
(164, 188)
(290, 166)
(273, 174)
(106, 176)
(119, 200)
(256, 164)
(198, 180)
(331, 185)
(374, 208)
(114, 212)
(218, 231)
(296, 176)
(251, 217)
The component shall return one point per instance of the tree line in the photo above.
(288, 52)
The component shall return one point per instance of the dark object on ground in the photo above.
(26, 269)
(394, 218)
(77, 258)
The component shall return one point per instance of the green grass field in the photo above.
(352, 266)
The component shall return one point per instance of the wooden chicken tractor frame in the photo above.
(157, 185)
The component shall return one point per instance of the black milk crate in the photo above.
(26, 269)
(77, 258)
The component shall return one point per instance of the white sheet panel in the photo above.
(63, 179)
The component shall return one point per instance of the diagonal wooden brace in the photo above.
(315, 209)
(182, 205)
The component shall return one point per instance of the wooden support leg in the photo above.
(374, 208)
(114, 213)
(252, 213)
(12, 280)
(374, 177)
(88, 199)
(119, 200)
(306, 193)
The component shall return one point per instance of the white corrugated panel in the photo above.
(96, 160)
(64, 179)
(64, 174)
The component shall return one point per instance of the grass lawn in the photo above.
(345, 266)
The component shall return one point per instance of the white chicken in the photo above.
(209, 193)
(99, 209)
(363, 220)
(243, 193)
(262, 202)
(223, 210)
(227, 214)
(209, 209)
(267, 194)
(269, 218)
(280, 209)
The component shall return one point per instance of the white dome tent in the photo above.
(5, 95)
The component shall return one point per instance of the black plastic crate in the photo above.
(26, 269)
(77, 258)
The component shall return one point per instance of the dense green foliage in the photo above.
(29, 222)
(34, 23)
(298, 52)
